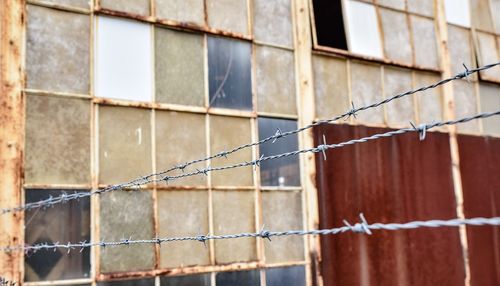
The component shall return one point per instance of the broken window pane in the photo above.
(481, 15)
(179, 65)
(399, 112)
(191, 11)
(229, 74)
(273, 22)
(123, 63)
(330, 86)
(180, 138)
(276, 77)
(138, 7)
(69, 222)
(397, 45)
(134, 282)
(366, 88)
(125, 215)
(124, 143)
(424, 42)
(429, 102)
(486, 54)
(286, 276)
(465, 105)
(228, 15)
(329, 24)
(460, 46)
(364, 34)
(241, 278)
(490, 101)
(183, 213)
(57, 140)
(50, 46)
(281, 211)
(284, 171)
(234, 212)
(190, 280)
(457, 12)
(225, 134)
(422, 7)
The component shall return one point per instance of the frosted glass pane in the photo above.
(481, 15)
(490, 101)
(465, 105)
(495, 10)
(424, 42)
(488, 54)
(123, 64)
(457, 12)
(67, 3)
(273, 22)
(366, 88)
(397, 45)
(396, 4)
(139, 7)
(401, 111)
(430, 106)
(460, 46)
(182, 11)
(228, 15)
(364, 34)
(422, 7)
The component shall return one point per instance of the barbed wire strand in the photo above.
(152, 178)
(360, 227)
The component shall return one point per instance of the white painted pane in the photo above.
(457, 12)
(123, 60)
(364, 34)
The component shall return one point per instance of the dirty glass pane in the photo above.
(123, 61)
(281, 211)
(487, 54)
(422, 7)
(191, 11)
(57, 55)
(330, 86)
(57, 140)
(241, 278)
(495, 10)
(69, 222)
(465, 105)
(179, 65)
(430, 106)
(229, 75)
(273, 22)
(366, 88)
(399, 112)
(135, 282)
(124, 143)
(424, 42)
(276, 80)
(396, 4)
(190, 280)
(67, 3)
(363, 31)
(397, 45)
(284, 171)
(234, 212)
(457, 12)
(286, 276)
(228, 15)
(180, 137)
(122, 215)
(460, 47)
(227, 133)
(183, 213)
(138, 7)
(490, 101)
(481, 15)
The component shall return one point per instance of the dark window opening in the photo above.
(329, 23)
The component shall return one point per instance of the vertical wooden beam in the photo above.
(12, 24)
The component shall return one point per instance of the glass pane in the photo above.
(124, 144)
(57, 140)
(399, 112)
(51, 45)
(422, 7)
(424, 42)
(69, 222)
(276, 80)
(136, 282)
(397, 45)
(122, 215)
(242, 278)
(227, 133)
(183, 213)
(430, 106)
(366, 88)
(465, 105)
(460, 46)
(282, 211)
(139, 7)
(123, 59)
(229, 73)
(191, 280)
(490, 101)
(487, 54)
(179, 64)
(233, 212)
(330, 86)
(481, 15)
(180, 137)
(364, 34)
(67, 3)
(286, 276)
(457, 12)
(182, 11)
(495, 10)
(284, 171)
(228, 15)
(273, 22)
(396, 4)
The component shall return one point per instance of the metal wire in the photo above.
(360, 227)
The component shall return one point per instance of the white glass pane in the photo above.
(457, 12)
(363, 31)
(123, 60)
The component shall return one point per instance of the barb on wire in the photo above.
(361, 227)
(161, 176)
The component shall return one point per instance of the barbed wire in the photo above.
(360, 227)
(161, 176)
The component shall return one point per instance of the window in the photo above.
(139, 7)
(364, 34)
(276, 14)
(182, 11)
(457, 12)
(229, 15)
